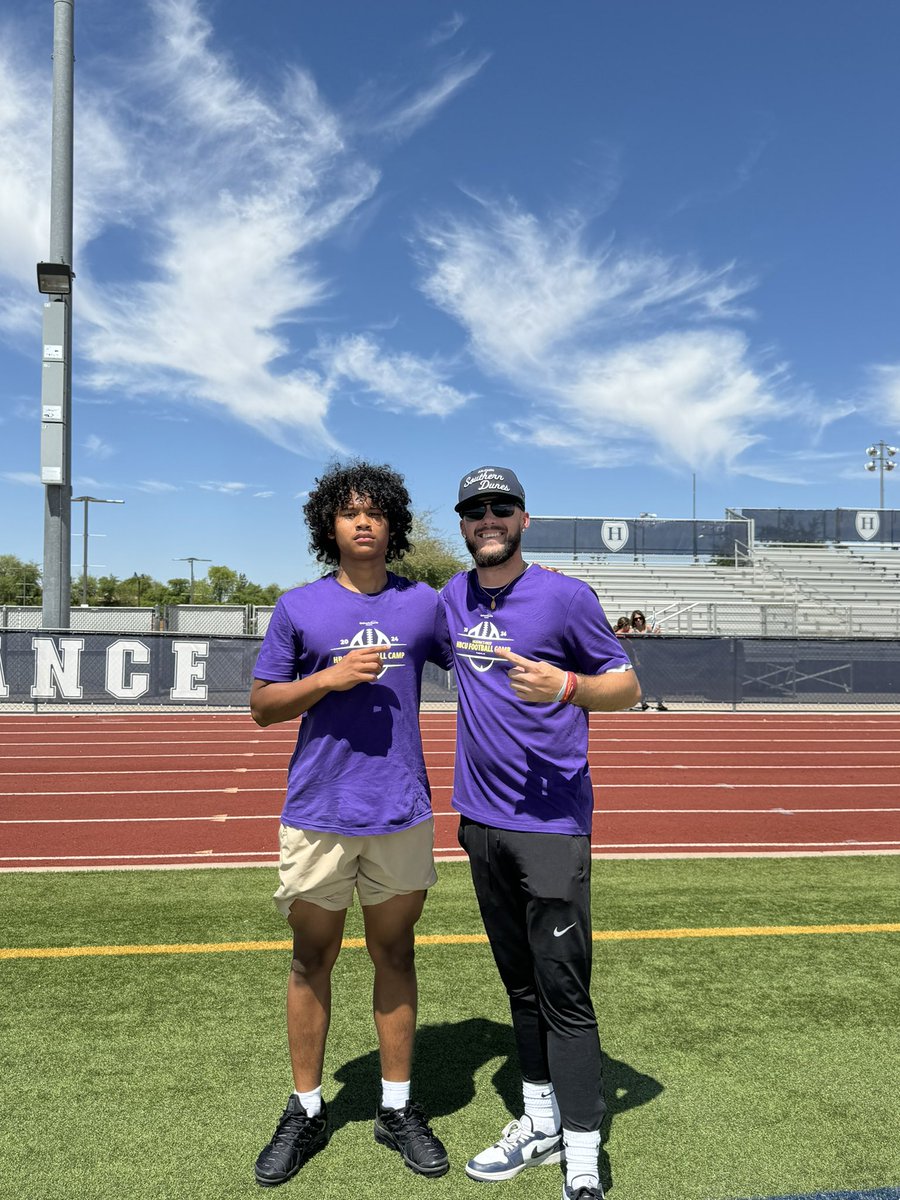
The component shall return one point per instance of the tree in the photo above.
(223, 583)
(20, 582)
(432, 559)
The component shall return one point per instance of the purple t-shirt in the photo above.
(358, 767)
(524, 766)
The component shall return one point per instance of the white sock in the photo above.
(394, 1095)
(311, 1101)
(540, 1105)
(582, 1151)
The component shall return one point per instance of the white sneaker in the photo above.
(520, 1146)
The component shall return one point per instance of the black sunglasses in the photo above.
(500, 508)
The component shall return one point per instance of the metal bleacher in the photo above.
(772, 590)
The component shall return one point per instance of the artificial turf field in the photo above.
(737, 1066)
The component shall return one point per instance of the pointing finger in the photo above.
(516, 659)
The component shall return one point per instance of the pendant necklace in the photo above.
(495, 596)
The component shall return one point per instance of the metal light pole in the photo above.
(880, 456)
(192, 558)
(87, 501)
(56, 371)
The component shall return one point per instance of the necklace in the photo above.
(495, 596)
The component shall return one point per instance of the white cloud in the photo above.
(156, 487)
(29, 478)
(447, 29)
(884, 390)
(397, 382)
(95, 447)
(226, 190)
(224, 488)
(262, 495)
(619, 354)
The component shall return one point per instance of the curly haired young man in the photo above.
(346, 654)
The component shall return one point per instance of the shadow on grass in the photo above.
(448, 1057)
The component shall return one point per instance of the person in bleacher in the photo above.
(638, 627)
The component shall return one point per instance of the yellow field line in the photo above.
(440, 939)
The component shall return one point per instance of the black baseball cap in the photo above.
(489, 481)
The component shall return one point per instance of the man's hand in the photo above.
(357, 666)
(533, 681)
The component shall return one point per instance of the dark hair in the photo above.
(380, 484)
(637, 613)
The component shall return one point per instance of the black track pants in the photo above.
(533, 890)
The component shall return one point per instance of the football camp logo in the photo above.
(393, 650)
(477, 646)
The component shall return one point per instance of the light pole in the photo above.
(192, 558)
(87, 501)
(55, 281)
(880, 456)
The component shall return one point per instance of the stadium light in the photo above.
(54, 279)
(881, 456)
(87, 501)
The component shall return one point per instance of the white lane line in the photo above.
(162, 771)
(727, 845)
(218, 817)
(151, 792)
(130, 755)
(602, 812)
(129, 857)
(611, 787)
(730, 754)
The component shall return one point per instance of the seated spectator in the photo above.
(639, 624)
(638, 627)
(623, 627)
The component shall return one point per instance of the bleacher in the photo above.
(774, 590)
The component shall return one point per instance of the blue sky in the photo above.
(607, 244)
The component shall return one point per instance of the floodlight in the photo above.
(871, 467)
(892, 450)
(54, 279)
(889, 466)
(872, 451)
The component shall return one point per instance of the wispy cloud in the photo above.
(262, 495)
(224, 489)
(619, 354)
(156, 487)
(95, 447)
(446, 30)
(404, 114)
(226, 237)
(28, 478)
(397, 382)
(883, 392)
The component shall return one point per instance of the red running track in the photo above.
(205, 789)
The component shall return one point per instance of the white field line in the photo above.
(456, 855)
(598, 846)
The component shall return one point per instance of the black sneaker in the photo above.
(407, 1131)
(661, 707)
(295, 1140)
(644, 706)
(584, 1193)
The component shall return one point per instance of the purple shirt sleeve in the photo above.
(279, 657)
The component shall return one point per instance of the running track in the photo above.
(205, 789)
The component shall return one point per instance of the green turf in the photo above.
(737, 1066)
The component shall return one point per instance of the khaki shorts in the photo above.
(324, 868)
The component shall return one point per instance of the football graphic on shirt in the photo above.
(370, 636)
(483, 636)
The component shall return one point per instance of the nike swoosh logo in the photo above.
(560, 932)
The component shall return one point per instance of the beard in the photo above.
(495, 553)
